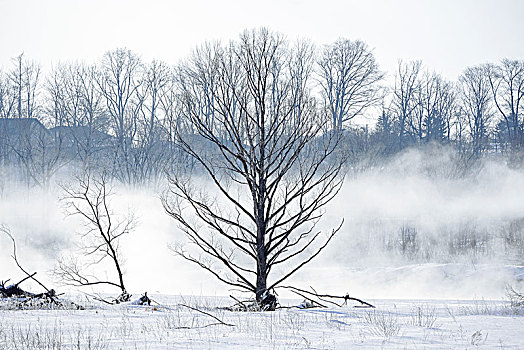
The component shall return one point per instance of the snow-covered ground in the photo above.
(394, 324)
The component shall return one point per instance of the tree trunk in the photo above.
(261, 285)
(261, 271)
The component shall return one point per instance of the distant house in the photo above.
(83, 143)
(81, 136)
(19, 135)
(15, 127)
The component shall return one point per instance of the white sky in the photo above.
(447, 35)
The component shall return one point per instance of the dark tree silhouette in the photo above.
(269, 154)
(90, 199)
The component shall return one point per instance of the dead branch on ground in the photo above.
(219, 321)
(14, 290)
(323, 297)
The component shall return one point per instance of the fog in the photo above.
(463, 229)
(425, 224)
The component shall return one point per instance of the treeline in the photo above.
(478, 113)
(124, 115)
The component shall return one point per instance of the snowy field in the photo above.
(394, 324)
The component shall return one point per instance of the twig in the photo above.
(306, 298)
(2, 283)
(97, 297)
(327, 301)
(104, 301)
(198, 327)
(239, 302)
(25, 278)
(220, 322)
(156, 302)
(345, 297)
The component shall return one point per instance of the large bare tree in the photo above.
(268, 154)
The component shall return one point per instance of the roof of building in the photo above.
(19, 125)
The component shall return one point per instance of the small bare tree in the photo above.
(269, 155)
(91, 200)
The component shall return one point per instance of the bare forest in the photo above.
(134, 119)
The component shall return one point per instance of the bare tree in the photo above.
(433, 112)
(507, 86)
(477, 105)
(119, 81)
(150, 154)
(349, 78)
(447, 108)
(57, 103)
(460, 126)
(77, 112)
(93, 144)
(7, 96)
(25, 142)
(41, 155)
(268, 154)
(174, 120)
(25, 77)
(407, 87)
(91, 200)
(7, 103)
